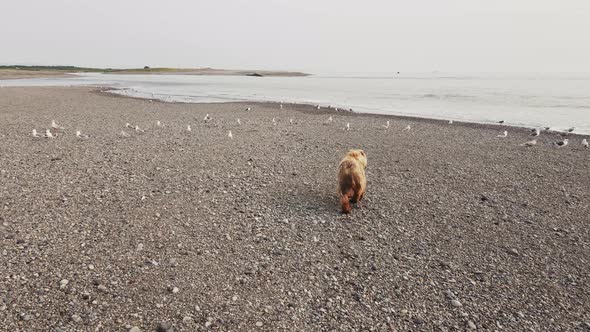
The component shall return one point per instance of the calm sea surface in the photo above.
(558, 101)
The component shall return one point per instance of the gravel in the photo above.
(256, 217)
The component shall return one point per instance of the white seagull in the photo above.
(504, 134)
(281, 106)
(585, 143)
(347, 126)
(56, 126)
(562, 143)
(330, 119)
(48, 134)
(230, 135)
(188, 128)
(124, 134)
(80, 135)
(239, 122)
(291, 121)
(274, 122)
(207, 118)
(319, 107)
(128, 125)
(139, 130)
(159, 124)
(35, 134)
(450, 121)
(536, 132)
(407, 128)
(529, 143)
(386, 126)
(248, 109)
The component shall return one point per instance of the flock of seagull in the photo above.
(56, 130)
(537, 131)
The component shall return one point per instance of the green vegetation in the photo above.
(68, 69)
(149, 70)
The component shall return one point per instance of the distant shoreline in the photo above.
(17, 72)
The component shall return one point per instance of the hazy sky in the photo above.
(309, 35)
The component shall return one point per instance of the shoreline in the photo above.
(311, 109)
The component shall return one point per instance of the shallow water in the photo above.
(558, 101)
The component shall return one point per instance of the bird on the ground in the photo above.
(386, 125)
(80, 135)
(347, 126)
(291, 120)
(129, 126)
(536, 132)
(36, 134)
(569, 130)
(281, 106)
(450, 121)
(562, 143)
(501, 121)
(330, 119)
(318, 107)
(529, 143)
(124, 134)
(274, 122)
(547, 128)
(408, 127)
(56, 126)
(248, 109)
(188, 128)
(239, 122)
(207, 118)
(504, 134)
(230, 135)
(49, 134)
(585, 143)
(139, 130)
(159, 124)
(336, 109)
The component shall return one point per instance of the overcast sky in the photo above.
(308, 35)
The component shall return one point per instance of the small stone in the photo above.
(140, 247)
(456, 303)
(26, 317)
(135, 329)
(85, 295)
(90, 267)
(471, 325)
(173, 262)
(197, 308)
(76, 318)
(63, 283)
(259, 323)
(102, 288)
(404, 312)
(234, 298)
(207, 323)
(173, 289)
(418, 320)
(513, 251)
(159, 305)
(164, 327)
(187, 319)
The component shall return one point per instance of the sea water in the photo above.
(556, 101)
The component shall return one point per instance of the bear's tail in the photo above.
(345, 201)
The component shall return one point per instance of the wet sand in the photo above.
(458, 230)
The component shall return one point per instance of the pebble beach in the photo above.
(176, 230)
